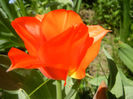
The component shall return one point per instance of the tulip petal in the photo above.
(20, 59)
(89, 57)
(28, 28)
(54, 73)
(66, 51)
(97, 32)
(57, 21)
(101, 91)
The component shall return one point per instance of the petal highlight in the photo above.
(28, 28)
(57, 21)
(97, 32)
(39, 17)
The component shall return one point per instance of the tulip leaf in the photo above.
(115, 84)
(71, 89)
(128, 92)
(126, 55)
(10, 80)
(6, 22)
(3, 28)
(126, 81)
(123, 86)
(4, 61)
(9, 9)
(128, 85)
(28, 80)
(16, 94)
(96, 81)
(33, 80)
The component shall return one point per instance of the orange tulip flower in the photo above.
(59, 44)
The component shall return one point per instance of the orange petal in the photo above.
(89, 57)
(57, 21)
(101, 92)
(20, 59)
(66, 50)
(97, 32)
(28, 28)
(54, 73)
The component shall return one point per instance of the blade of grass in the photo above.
(4, 5)
(77, 4)
(7, 23)
(22, 8)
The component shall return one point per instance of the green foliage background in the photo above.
(116, 15)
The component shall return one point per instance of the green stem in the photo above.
(38, 87)
(58, 90)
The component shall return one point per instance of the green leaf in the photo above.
(4, 61)
(71, 89)
(126, 81)
(6, 23)
(4, 5)
(65, 2)
(7, 95)
(96, 81)
(115, 85)
(68, 85)
(21, 94)
(22, 7)
(117, 88)
(128, 92)
(128, 85)
(33, 80)
(8, 9)
(123, 86)
(126, 55)
(112, 68)
(9, 81)
(3, 28)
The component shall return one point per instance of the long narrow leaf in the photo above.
(4, 5)
(125, 20)
(126, 55)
